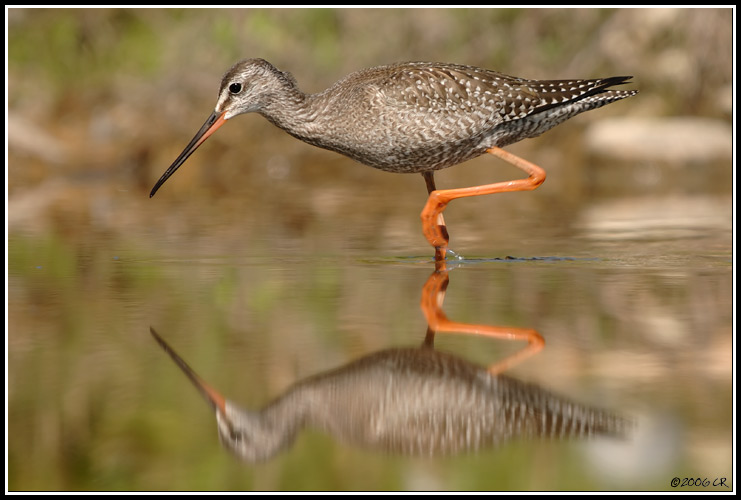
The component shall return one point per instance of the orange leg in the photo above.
(442, 228)
(433, 295)
(433, 226)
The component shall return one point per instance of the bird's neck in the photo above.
(260, 435)
(293, 110)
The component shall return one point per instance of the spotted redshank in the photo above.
(410, 401)
(414, 117)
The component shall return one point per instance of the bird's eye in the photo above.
(237, 436)
(235, 88)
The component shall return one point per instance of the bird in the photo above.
(411, 117)
(412, 401)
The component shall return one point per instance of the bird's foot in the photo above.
(443, 253)
(440, 253)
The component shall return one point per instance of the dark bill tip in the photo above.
(213, 122)
(214, 398)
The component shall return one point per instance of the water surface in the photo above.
(639, 328)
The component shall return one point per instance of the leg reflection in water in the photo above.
(411, 401)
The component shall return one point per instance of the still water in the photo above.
(632, 388)
(298, 286)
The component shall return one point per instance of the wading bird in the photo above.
(414, 117)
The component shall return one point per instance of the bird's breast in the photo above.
(401, 140)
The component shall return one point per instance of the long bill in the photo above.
(214, 121)
(213, 397)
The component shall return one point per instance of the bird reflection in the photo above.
(411, 401)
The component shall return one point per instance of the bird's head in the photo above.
(247, 87)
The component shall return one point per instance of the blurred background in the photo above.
(101, 101)
(259, 233)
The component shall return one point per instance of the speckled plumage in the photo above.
(412, 117)
(410, 401)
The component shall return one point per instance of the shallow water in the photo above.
(265, 262)
(640, 327)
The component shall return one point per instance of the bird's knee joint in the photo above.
(437, 199)
(537, 179)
